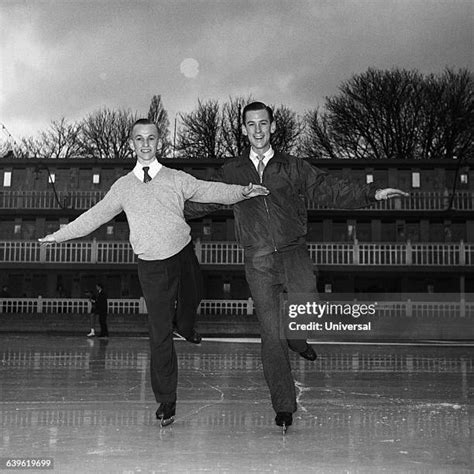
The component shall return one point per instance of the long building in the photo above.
(405, 248)
(424, 243)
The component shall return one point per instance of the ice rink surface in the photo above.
(87, 404)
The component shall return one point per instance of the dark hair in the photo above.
(142, 121)
(257, 106)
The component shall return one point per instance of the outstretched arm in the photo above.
(329, 191)
(389, 193)
(194, 210)
(47, 240)
(254, 190)
(216, 190)
(97, 215)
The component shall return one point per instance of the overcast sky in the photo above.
(68, 58)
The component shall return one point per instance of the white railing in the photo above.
(417, 309)
(382, 254)
(230, 253)
(115, 306)
(417, 201)
(219, 253)
(47, 199)
(216, 307)
(109, 252)
(77, 252)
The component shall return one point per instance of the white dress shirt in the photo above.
(267, 156)
(154, 166)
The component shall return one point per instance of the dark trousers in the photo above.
(269, 276)
(161, 282)
(190, 293)
(104, 330)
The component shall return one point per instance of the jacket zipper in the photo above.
(268, 214)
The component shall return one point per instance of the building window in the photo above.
(369, 178)
(464, 178)
(7, 179)
(110, 230)
(17, 229)
(415, 179)
(96, 178)
(401, 231)
(328, 288)
(448, 234)
(351, 231)
(51, 178)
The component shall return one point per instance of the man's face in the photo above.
(258, 129)
(144, 142)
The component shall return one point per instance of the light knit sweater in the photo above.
(154, 210)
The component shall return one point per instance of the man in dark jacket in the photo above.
(272, 230)
(101, 308)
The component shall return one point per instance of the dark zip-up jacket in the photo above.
(100, 302)
(278, 222)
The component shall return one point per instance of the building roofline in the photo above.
(214, 163)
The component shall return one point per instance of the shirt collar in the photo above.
(155, 167)
(267, 156)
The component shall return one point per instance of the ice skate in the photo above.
(284, 419)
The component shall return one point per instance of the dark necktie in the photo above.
(146, 176)
(261, 166)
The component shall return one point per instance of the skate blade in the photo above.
(284, 429)
(167, 421)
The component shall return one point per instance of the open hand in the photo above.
(389, 193)
(48, 240)
(253, 190)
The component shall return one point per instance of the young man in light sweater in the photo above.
(152, 197)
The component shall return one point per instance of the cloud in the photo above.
(71, 58)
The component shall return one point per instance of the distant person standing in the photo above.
(100, 308)
(92, 314)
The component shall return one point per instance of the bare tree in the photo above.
(28, 147)
(159, 116)
(395, 114)
(456, 115)
(233, 140)
(59, 141)
(317, 142)
(105, 134)
(289, 129)
(200, 133)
